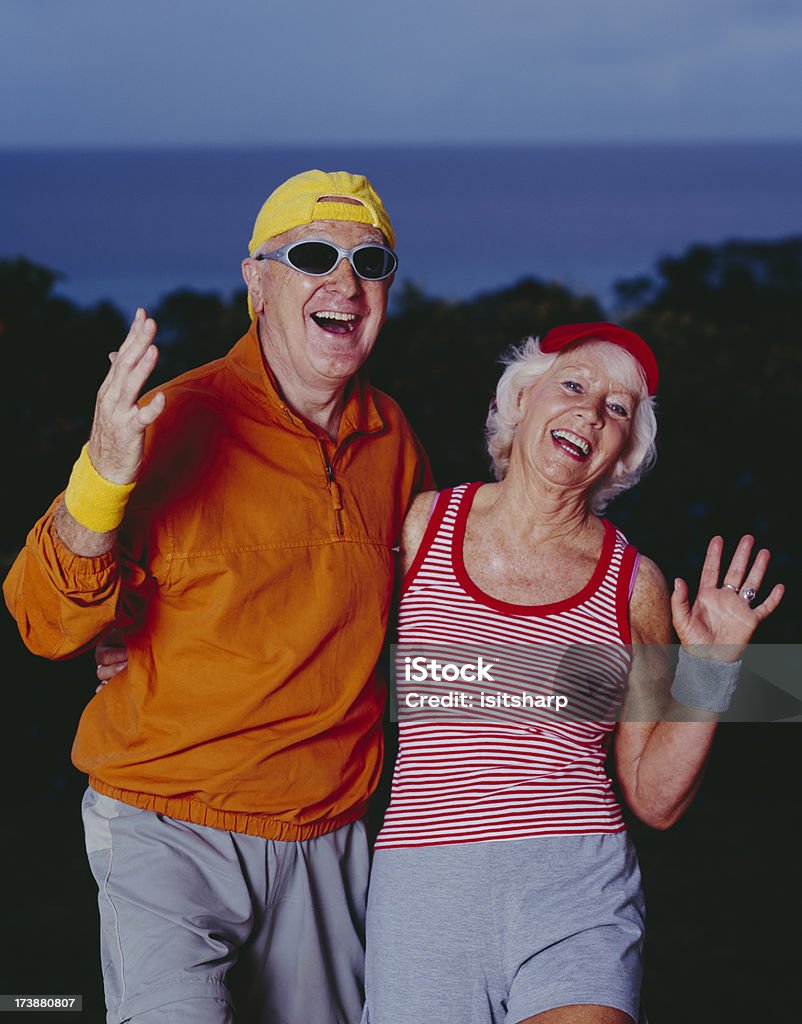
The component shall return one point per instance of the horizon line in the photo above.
(44, 147)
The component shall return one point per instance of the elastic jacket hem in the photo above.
(186, 809)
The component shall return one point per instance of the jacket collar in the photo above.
(248, 363)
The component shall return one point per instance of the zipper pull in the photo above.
(336, 500)
(334, 490)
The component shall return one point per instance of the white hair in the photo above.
(525, 364)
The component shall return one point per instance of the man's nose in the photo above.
(345, 278)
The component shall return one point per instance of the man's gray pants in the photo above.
(211, 927)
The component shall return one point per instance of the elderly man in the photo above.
(238, 525)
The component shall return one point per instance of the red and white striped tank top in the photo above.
(474, 770)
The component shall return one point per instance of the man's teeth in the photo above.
(331, 314)
(574, 439)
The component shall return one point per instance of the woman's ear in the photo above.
(519, 405)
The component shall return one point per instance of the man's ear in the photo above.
(252, 277)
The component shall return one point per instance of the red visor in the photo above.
(559, 337)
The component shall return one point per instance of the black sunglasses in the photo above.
(317, 258)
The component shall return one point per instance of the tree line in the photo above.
(723, 320)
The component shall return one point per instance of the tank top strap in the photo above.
(435, 551)
(619, 580)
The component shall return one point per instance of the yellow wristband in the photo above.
(91, 499)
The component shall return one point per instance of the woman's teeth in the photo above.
(574, 441)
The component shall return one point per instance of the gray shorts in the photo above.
(485, 933)
(202, 926)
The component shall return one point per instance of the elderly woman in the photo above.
(504, 886)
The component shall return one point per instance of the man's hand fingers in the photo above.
(135, 347)
(132, 383)
(117, 437)
(119, 392)
(106, 672)
(126, 374)
(141, 332)
(150, 412)
(137, 342)
(110, 655)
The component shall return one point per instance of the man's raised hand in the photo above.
(117, 440)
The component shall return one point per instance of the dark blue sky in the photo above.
(257, 72)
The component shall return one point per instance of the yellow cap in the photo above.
(297, 202)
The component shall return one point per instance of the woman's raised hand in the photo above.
(723, 616)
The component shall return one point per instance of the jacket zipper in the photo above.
(334, 490)
(334, 487)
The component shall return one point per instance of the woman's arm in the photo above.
(661, 744)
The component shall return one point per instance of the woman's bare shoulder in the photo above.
(414, 526)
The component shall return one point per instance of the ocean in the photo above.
(132, 225)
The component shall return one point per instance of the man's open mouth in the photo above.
(336, 323)
(572, 443)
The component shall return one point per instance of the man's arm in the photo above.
(117, 439)
(64, 587)
(79, 539)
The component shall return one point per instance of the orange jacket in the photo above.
(253, 583)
